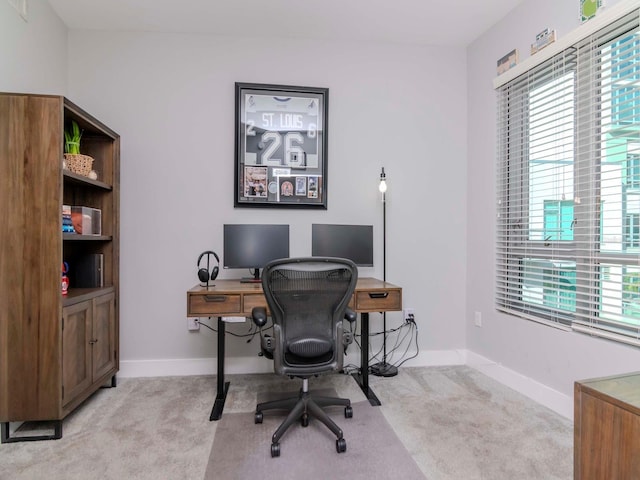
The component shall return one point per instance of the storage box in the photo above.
(86, 220)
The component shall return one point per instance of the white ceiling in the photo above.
(426, 22)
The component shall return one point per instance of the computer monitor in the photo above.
(253, 246)
(354, 242)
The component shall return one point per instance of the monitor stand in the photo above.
(255, 279)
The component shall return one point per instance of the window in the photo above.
(633, 169)
(558, 220)
(568, 206)
(631, 230)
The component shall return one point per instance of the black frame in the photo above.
(271, 171)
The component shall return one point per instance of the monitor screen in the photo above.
(354, 242)
(253, 246)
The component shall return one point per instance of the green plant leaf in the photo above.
(72, 138)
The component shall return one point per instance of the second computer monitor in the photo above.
(354, 242)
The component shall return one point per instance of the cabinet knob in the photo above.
(91, 342)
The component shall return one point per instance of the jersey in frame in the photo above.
(282, 131)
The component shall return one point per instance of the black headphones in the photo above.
(203, 273)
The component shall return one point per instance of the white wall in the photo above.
(33, 53)
(171, 97)
(552, 357)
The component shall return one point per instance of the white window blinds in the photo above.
(568, 187)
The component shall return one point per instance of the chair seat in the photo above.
(307, 347)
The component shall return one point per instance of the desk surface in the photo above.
(236, 286)
(232, 297)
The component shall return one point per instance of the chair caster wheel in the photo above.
(304, 420)
(275, 449)
(348, 412)
(258, 417)
(341, 445)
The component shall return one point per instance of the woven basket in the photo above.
(78, 163)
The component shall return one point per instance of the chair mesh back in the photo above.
(307, 299)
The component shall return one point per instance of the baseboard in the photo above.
(192, 366)
(558, 402)
(436, 358)
(552, 399)
(240, 365)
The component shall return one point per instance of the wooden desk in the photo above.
(607, 428)
(230, 298)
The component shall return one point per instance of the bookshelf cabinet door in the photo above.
(76, 349)
(104, 336)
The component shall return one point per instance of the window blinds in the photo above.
(568, 187)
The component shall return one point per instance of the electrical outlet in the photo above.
(477, 318)
(408, 315)
(193, 324)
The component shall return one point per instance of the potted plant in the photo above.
(74, 160)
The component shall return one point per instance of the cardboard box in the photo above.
(86, 220)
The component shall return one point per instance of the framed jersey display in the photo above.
(281, 146)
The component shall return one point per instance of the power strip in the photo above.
(234, 319)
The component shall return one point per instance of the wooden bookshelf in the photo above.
(55, 350)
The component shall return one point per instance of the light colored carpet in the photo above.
(456, 423)
(147, 428)
(460, 424)
(242, 449)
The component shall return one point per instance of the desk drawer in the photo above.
(254, 300)
(378, 301)
(213, 304)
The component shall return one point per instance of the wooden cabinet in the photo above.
(607, 428)
(55, 350)
(88, 345)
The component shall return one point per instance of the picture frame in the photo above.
(589, 9)
(280, 146)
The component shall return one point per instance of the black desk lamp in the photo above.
(384, 369)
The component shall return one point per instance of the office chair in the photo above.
(307, 299)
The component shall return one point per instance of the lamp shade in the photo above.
(383, 182)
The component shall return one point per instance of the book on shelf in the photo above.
(87, 271)
(67, 225)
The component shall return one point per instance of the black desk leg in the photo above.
(363, 377)
(223, 387)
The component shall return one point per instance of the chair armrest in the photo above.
(259, 315)
(347, 335)
(350, 315)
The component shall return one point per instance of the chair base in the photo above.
(301, 408)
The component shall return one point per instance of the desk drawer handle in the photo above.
(378, 294)
(215, 298)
